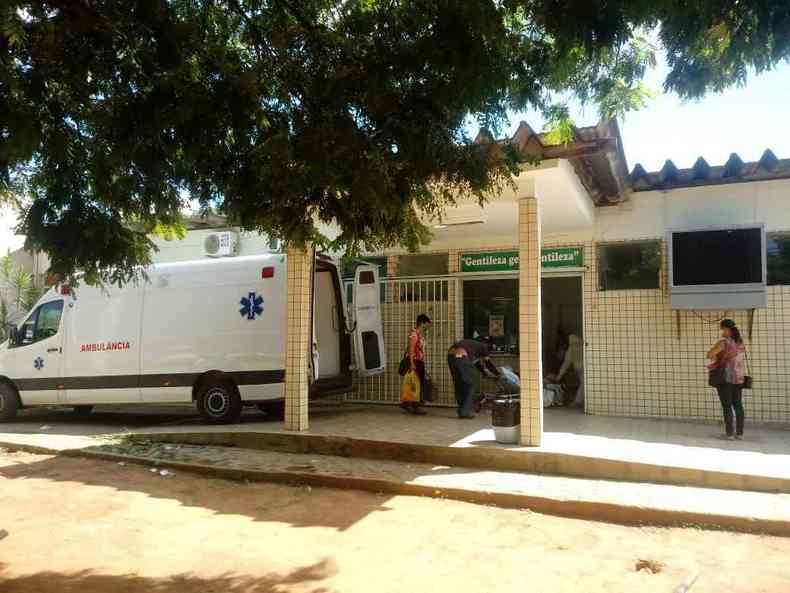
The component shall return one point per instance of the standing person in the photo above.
(464, 359)
(416, 354)
(729, 353)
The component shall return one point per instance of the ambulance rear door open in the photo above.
(368, 333)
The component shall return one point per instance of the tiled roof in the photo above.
(701, 173)
(596, 153)
(198, 220)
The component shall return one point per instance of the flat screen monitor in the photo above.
(718, 268)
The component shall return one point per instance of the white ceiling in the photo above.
(565, 207)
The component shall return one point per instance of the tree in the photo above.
(281, 113)
(18, 293)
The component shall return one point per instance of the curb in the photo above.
(586, 510)
(494, 459)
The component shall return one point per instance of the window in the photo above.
(427, 290)
(491, 310)
(42, 323)
(778, 247)
(625, 266)
(350, 266)
(423, 265)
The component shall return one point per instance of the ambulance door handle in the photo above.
(53, 350)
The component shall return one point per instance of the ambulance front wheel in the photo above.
(219, 403)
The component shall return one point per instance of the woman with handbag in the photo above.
(727, 373)
(415, 380)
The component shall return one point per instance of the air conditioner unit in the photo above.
(222, 244)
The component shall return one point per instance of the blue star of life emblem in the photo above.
(38, 363)
(251, 305)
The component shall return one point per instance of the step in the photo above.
(489, 458)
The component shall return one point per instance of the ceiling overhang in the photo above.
(564, 206)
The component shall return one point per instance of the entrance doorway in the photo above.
(562, 314)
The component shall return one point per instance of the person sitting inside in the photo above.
(571, 373)
(465, 358)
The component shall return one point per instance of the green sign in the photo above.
(562, 257)
(507, 261)
(493, 261)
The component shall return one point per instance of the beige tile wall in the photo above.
(635, 365)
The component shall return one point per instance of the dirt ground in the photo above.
(74, 525)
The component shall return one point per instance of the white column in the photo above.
(530, 342)
(298, 348)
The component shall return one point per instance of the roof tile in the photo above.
(700, 170)
(768, 161)
(733, 167)
(701, 173)
(669, 172)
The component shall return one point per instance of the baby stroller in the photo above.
(507, 383)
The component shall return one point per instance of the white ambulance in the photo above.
(211, 331)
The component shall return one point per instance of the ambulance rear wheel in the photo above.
(9, 403)
(219, 403)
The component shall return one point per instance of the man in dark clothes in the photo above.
(465, 359)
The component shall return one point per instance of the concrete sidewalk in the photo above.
(575, 444)
(653, 440)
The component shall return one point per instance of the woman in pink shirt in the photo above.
(416, 354)
(729, 353)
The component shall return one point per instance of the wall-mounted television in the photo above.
(718, 268)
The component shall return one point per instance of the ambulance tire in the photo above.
(219, 402)
(83, 410)
(274, 410)
(9, 402)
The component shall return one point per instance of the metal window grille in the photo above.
(404, 299)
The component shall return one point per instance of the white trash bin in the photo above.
(506, 419)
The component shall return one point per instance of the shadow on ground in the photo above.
(259, 501)
(306, 579)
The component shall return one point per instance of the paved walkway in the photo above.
(765, 452)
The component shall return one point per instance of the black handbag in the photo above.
(747, 379)
(716, 377)
(405, 363)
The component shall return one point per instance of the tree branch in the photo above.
(296, 13)
(253, 27)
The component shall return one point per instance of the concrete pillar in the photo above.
(298, 348)
(455, 302)
(530, 342)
